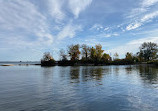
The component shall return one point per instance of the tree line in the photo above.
(84, 54)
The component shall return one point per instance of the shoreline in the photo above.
(75, 64)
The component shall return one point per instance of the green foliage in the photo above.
(129, 56)
(96, 53)
(85, 52)
(106, 58)
(148, 51)
(153, 62)
(92, 53)
(99, 52)
(136, 59)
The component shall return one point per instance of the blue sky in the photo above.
(28, 28)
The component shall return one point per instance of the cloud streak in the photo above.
(148, 3)
(21, 18)
(145, 19)
(77, 6)
(69, 31)
(142, 15)
(55, 9)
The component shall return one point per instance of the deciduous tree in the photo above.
(74, 52)
(92, 53)
(99, 52)
(106, 57)
(85, 52)
(149, 50)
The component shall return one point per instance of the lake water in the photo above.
(82, 88)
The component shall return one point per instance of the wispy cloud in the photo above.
(133, 26)
(55, 9)
(77, 6)
(96, 27)
(147, 3)
(110, 35)
(69, 31)
(142, 15)
(149, 16)
(145, 19)
(142, 40)
(23, 19)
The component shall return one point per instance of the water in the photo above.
(83, 88)
(19, 63)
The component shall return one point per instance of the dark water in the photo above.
(84, 88)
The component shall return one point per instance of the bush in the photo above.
(47, 60)
(51, 62)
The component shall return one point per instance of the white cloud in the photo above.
(106, 28)
(96, 27)
(55, 9)
(149, 16)
(144, 19)
(140, 41)
(136, 12)
(77, 6)
(22, 20)
(99, 27)
(69, 31)
(111, 35)
(133, 26)
(92, 42)
(142, 15)
(46, 37)
(147, 3)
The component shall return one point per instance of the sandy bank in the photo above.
(7, 65)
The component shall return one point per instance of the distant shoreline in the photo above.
(75, 64)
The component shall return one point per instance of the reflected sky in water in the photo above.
(82, 88)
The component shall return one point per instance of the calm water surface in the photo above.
(83, 88)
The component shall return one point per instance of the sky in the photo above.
(28, 28)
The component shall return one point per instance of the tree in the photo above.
(149, 50)
(99, 52)
(129, 56)
(63, 56)
(129, 59)
(139, 56)
(136, 57)
(92, 53)
(47, 57)
(85, 52)
(106, 57)
(47, 60)
(74, 52)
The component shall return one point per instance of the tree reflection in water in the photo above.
(74, 74)
(148, 73)
(96, 73)
(86, 73)
(129, 69)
